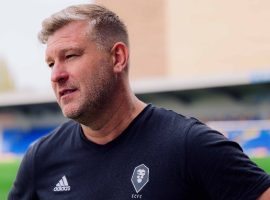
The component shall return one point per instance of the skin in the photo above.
(265, 195)
(91, 85)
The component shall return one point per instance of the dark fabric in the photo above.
(186, 160)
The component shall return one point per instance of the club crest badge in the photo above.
(140, 177)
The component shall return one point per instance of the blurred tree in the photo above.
(6, 83)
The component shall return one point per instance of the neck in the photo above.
(114, 120)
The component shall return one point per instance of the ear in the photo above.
(120, 55)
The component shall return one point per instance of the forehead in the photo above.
(72, 35)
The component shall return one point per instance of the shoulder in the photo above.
(176, 123)
(35, 157)
(192, 125)
(173, 129)
(209, 155)
(171, 118)
(55, 138)
(188, 132)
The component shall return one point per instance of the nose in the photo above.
(59, 74)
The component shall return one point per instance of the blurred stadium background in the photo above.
(200, 58)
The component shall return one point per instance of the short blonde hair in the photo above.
(104, 25)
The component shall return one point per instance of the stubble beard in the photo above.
(96, 97)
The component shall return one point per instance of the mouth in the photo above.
(66, 92)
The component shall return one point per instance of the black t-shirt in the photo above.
(161, 155)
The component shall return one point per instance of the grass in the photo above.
(264, 163)
(8, 170)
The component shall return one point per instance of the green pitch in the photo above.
(264, 163)
(9, 169)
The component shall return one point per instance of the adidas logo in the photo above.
(62, 185)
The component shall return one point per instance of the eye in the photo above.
(68, 56)
(51, 64)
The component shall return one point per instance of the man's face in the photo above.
(82, 75)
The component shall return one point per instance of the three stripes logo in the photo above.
(62, 185)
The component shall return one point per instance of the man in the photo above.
(115, 146)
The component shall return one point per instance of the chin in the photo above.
(71, 113)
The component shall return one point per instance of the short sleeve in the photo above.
(23, 186)
(219, 168)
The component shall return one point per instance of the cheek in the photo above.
(94, 75)
(87, 75)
